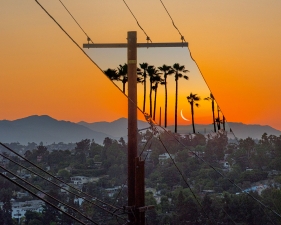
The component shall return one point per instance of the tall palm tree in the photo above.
(211, 98)
(192, 99)
(157, 79)
(123, 75)
(167, 70)
(144, 67)
(152, 73)
(179, 73)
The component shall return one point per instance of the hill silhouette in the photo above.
(46, 129)
(49, 130)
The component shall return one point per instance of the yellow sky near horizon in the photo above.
(235, 43)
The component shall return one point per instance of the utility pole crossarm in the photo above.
(139, 45)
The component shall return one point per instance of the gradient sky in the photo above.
(235, 43)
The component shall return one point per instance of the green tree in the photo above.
(5, 198)
(192, 99)
(179, 73)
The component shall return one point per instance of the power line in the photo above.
(182, 37)
(38, 189)
(77, 45)
(44, 200)
(88, 38)
(65, 183)
(232, 182)
(183, 40)
(76, 194)
(147, 37)
(180, 172)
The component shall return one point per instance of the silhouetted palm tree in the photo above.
(223, 122)
(144, 67)
(112, 74)
(192, 99)
(123, 75)
(218, 119)
(152, 73)
(167, 70)
(213, 109)
(157, 79)
(179, 70)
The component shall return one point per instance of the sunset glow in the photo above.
(235, 44)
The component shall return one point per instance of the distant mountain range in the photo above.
(49, 130)
(46, 129)
(117, 128)
(240, 130)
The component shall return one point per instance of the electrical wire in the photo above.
(76, 194)
(147, 37)
(182, 37)
(77, 45)
(183, 40)
(132, 101)
(65, 183)
(185, 181)
(123, 185)
(88, 38)
(45, 193)
(232, 182)
(44, 200)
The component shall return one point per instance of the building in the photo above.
(164, 157)
(20, 208)
(79, 180)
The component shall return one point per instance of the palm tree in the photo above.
(111, 73)
(223, 122)
(167, 70)
(192, 99)
(144, 67)
(179, 70)
(123, 75)
(213, 109)
(152, 73)
(157, 79)
(218, 119)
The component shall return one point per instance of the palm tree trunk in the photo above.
(219, 120)
(150, 99)
(124, 85)
(166, 102)
(214, 119)
(223, 122)
(154, 110)
(192, 116)
(176, 108)
(144, 94)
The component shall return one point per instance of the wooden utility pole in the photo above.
(136, 192)
(132, 120)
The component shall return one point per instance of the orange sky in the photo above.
(235, 43)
